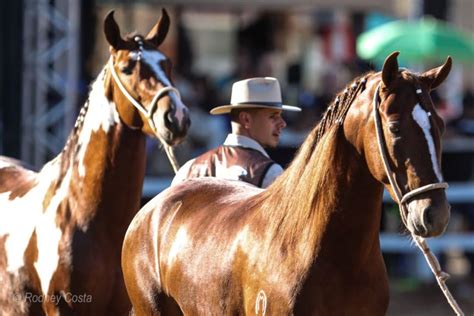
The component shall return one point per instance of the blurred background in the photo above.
(52, 50)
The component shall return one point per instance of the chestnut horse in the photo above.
(309, 243)
(61, 229)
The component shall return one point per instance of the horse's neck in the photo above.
(337, 236)
(349, 221)
(105, 163)
(332, 206)
(345, 238)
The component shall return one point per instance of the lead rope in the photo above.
(430, 258)
(149, 114)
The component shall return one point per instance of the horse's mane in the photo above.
(287, 202)
(69, 150)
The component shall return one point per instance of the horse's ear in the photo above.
(434, 77)
(158, 32)
(390, 69)
(112, 31)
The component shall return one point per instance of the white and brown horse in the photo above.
(61, 229)
(308, 244)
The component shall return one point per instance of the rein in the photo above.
(402, 199)
(151, 111)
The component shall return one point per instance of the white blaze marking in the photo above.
(153, 59)
(102, 114)
(421, 117)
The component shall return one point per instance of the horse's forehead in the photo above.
(401, 97)
(154, 60)
(150, 59)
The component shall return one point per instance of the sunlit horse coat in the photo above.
(309, 243)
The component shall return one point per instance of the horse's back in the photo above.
(186, 205)
(191, 199)
(15, 177)
(220, 191)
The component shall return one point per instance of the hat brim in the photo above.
(224, 109)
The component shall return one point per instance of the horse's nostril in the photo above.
(428, 216)
(169, 118)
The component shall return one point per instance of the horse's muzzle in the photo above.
(429, 217)
(175, 129)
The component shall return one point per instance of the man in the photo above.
(256, 121)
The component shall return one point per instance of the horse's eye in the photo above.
(126, 70)
(394, 127)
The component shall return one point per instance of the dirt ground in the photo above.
(409, 297)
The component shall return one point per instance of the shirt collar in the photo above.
(244, 141)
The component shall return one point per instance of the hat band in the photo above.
(275, 104)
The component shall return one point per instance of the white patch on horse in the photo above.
(18, 223)
(102, 114)
(153, 59)
(48, 235)
(21, 216)
(422, 119)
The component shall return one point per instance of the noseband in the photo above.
(401, 198)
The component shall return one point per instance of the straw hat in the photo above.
(255, 93)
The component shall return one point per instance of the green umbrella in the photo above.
(424, 40)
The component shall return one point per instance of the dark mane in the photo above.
(337, 109)
(335, 114)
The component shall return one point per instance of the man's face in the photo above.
(265, 126)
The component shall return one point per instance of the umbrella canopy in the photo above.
(427, 39)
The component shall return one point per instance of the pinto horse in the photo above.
(61, 229)
(309, 243)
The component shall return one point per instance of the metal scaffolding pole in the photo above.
(50, 77)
